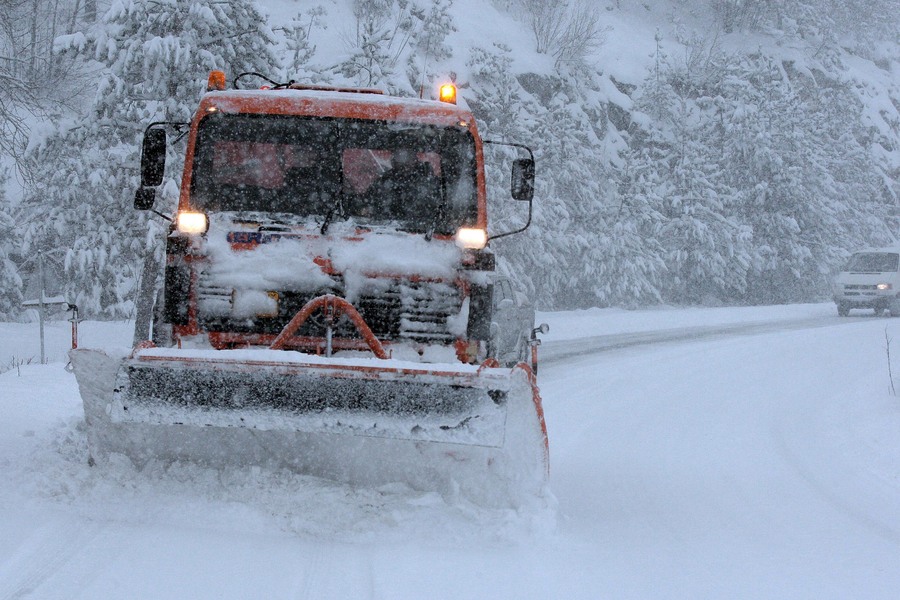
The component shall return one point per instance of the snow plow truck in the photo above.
(326, 304)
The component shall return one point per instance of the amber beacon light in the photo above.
(216, 81)
(447, 93)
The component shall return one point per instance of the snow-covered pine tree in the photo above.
(574, 159)
(381, 34)
(634, 268)
(859, 197)
(428, 47)
(706, 247)
(776, 156)
(299, 44)
(506, 112)
(10, 280)
(155, 58)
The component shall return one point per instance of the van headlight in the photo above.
(883, 286)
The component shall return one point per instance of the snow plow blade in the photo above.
(451, 428)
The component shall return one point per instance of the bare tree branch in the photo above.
(567, 30)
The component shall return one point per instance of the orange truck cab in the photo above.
(292, 193)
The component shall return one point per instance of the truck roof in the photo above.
(340, 104)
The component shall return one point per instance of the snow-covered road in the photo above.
(760, 459)
(763, 466)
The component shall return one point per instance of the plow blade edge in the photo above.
(448, 428)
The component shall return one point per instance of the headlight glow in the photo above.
(883, 286)
(192, 222)
(470, 237)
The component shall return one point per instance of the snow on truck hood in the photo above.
(244, 255)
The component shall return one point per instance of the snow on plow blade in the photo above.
(450, 428)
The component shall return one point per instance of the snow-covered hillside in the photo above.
(703, 167)
(751, 466)
(704, 153)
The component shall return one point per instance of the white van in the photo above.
(870, 279)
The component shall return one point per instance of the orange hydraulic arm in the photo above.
(333, 307)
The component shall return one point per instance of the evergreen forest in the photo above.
(709, 152)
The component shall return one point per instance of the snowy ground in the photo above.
(757, 457)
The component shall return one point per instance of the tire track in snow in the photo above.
(44, 555)
(353, 578)
(795, 457)
(553, 352)
(314, 570)
(816, 440)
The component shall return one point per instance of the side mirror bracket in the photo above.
(521, 183)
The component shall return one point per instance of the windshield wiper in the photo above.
(439, 215)
(335, 208)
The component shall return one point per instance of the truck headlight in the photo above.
(471, 237)
(883, 286)
(192, 222)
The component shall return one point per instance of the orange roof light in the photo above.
(216, 81)
(447, 93)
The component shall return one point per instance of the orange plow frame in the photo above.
(333, 307)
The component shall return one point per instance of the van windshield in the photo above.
(873, 262)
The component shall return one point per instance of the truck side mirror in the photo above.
(522, 184)
(144, 198)
(153, 158)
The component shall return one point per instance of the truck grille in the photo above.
(415, 311)
(853, 286)
(395, 310)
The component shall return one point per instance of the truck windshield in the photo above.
(415, 177)
(873, 262)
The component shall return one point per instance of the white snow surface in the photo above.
(754, 464)
(287, 263)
